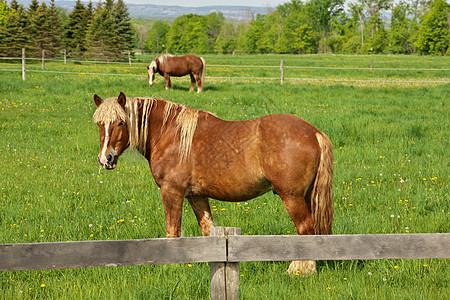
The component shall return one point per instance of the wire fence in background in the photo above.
(377, 81)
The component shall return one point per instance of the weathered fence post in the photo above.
(371, 59)
(225, 275)
(24, 72)
(65, 56)
(282, 71)
(129, 58)
(43, 59)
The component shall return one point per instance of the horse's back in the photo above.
(182, 65)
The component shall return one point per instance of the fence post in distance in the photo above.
(24, 72)
(282, 71)
(224, 275)
(43, 59)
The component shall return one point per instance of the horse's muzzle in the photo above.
(111, 162)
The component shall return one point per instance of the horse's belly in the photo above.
(230, 188)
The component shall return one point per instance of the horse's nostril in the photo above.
(109, 158)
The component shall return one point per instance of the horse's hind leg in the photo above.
(192, 83)
(199, 83)
(202, 211)
(300, 214)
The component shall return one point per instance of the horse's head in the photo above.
(152, 69)
(114, 136)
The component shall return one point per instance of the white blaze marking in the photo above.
(151, 72)
(103, 159)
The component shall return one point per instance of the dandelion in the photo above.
(395, 267)
(189, 266)
(121, 221)
(425, 265)
(43, 285)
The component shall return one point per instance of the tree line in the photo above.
(105, 31)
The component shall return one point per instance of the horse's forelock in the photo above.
(109, 112)
(152, 66)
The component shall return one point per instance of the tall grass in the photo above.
(391, 176)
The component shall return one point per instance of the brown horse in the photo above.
(195, 155)
(168, 65)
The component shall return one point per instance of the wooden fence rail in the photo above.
(225, 248)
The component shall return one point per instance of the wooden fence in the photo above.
(224, 249)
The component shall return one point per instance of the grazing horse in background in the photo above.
(168, 65)
(195, 155)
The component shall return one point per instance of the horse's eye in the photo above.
(121, 123)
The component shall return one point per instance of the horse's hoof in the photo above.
(302, 267)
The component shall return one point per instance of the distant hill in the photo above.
(231, 13)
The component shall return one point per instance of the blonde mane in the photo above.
(186, 121)
(162, 58)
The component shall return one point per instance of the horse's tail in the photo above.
(321, 197)
(203, 73)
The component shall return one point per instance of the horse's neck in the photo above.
(158, 122)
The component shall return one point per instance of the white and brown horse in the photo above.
(168, 65)
(195, 155)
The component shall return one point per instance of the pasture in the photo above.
(389, 128)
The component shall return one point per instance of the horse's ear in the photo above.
(122, 100)
(97, 100)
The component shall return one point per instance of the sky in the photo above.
(198, 3)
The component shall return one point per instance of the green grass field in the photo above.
(390, 140)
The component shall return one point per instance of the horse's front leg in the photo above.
(173, 204)
(202, 211)
(167, 82)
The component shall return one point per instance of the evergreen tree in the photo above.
(4, 12)
(33, 29)
(433, 36)
(13, 34)
(15, 6)
(122, 26)
(55, 31)
(75, 30)
(48, 31)
(101, 38)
